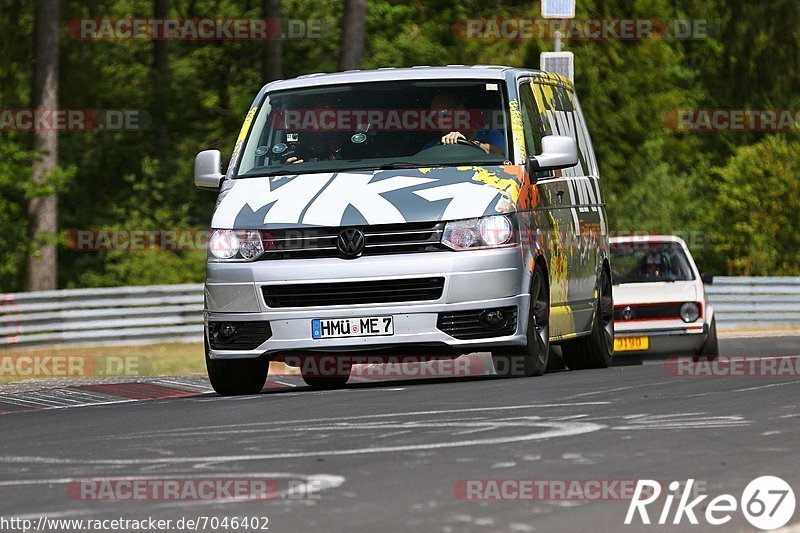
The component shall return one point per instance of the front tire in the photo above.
(237, 377)
(531, 359)
(596, 350)
(710, 348)
(327, 382)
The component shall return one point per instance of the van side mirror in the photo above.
(708, 279)
(558, 151)
(207, 167)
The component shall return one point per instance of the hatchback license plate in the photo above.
(335, 328)
(631, 344)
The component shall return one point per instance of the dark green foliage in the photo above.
(739, 190)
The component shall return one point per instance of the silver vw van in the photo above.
(425, 212)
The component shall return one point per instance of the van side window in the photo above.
(557, 112)
(585, 142)
(533, 120)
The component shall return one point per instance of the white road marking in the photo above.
(748, 389)
(49, 514)
(682, 421)
(206, 429)
(618, 389)
(556, 429)
(67, 480)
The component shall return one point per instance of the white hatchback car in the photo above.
(660, 302)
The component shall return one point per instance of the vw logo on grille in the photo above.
(627, 313)
(351, 243)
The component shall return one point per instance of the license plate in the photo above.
(631, 344)
(335, 328)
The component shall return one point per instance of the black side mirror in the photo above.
(708, 279)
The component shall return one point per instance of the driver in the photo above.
(653, 265)
(445, 105)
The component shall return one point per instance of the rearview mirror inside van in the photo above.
(558, 151)
(207, 166)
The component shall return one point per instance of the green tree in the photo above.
(757, 209)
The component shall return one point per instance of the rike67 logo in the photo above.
(767, 503)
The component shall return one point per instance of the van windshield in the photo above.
(377, 125)
(642, 262)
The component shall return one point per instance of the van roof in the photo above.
(646, 238)
(422, 72)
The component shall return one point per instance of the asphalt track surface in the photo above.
(386, 456)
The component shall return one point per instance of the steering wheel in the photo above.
(464, 142)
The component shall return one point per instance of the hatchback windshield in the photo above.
(640, 262)
(399, 124)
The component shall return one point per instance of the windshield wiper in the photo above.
(427, 164)
(399, 164)
(267, 174)
(386, 166)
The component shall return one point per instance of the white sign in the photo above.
(558, 9)
(562, 63)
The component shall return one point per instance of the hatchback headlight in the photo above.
(690, 312)
(235, 245)
(479, 233)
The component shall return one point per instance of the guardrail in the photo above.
(174, 313)
(741, 302)
(102, 316)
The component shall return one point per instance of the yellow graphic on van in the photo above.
(517, 128)
(552, 77)
(508, 186)
(248, 120)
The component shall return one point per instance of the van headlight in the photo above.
(235, 245)
(479, 233)
(690, 312)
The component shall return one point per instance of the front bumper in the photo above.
(668, 339)
(474, 280)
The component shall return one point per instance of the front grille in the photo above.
(465, 325)
(648, 312)
(352, 293)
(383, 239)
(247, 336)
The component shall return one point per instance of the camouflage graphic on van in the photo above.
(351, 198)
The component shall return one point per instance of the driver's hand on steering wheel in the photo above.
(294, 160)
(454, 136)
